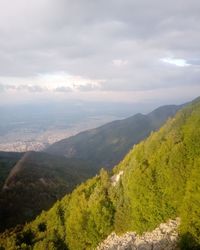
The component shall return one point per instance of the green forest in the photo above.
(159, 180)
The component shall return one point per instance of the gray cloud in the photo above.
(5, 87)
(63, 89)
(22, 87)
(87, 87)
(85, 37)
(194, 62)
(2, 87)
(31, 88)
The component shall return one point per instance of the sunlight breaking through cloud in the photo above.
(54, 82)
(176, 61)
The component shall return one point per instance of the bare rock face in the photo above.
(115, 178)
(164, 237)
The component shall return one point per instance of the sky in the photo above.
(99, 50)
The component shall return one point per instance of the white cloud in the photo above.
(79, 43)
(119, 62)
(176, 61)
(58, 82)
(63, 80)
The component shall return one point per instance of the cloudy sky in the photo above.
(102, 50)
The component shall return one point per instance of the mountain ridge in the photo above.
(160, 181)
(106, 146)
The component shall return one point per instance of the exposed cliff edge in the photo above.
(163, 237)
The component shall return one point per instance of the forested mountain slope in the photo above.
(107, 145)
(43, 178)
(159, 179)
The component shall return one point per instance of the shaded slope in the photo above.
(7, 162)
(35, 183)
(107, 145)
(159, 179)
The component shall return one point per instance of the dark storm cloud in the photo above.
(120, 42)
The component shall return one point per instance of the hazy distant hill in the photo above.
(105, 146)
(35, 183)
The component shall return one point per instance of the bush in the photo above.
(26, 237)
(42, 227)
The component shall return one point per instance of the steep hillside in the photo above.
(107, 145)
(7, 162)
(158, 180)
(35, 183)
(44, 178)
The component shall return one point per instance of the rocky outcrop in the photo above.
(165, 237)
(115, 178)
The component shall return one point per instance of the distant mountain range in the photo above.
(33, 181)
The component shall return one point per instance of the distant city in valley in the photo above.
(34, 127)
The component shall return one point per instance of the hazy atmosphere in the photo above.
(105, 51)
(99, 124)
